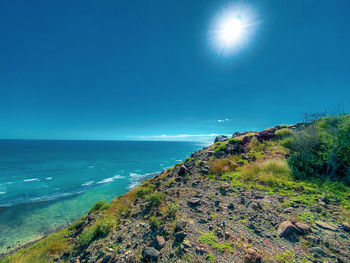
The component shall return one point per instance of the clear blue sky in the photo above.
(139, 69)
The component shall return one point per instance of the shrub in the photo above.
(272, 172)
(189, 159)
(232, 140)
(199, 163)
(99, 206)
(322, 149)
(170, 183)
(283, 133)
(155, 199)
(221, 166)
(217, 143)
(155, 222)
(144, 190)
(220, 147)
(172, 209)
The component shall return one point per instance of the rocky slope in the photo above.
(231, 202)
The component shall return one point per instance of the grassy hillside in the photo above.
(280, 195)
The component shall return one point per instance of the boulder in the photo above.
(220, 138)
(150, 254)
(287, 229)
(265, 135)
(304, 228)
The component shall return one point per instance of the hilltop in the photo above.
(279, 195)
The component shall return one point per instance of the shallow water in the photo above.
(46, 184)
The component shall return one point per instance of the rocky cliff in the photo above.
(235, 201)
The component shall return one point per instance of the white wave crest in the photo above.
(87, 183)
(31, 180)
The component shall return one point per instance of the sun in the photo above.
(232, 28)
(230, 31)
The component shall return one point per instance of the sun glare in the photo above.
(232, 29)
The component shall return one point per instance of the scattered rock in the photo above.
(252, 256)
(160, 241)
(326, 226)
(304, 228)
(150, 254)
(180, 225)
(194, 201)
(220, 138)
(319, 251)
(231, 206)
(183, 170)
(287, 229)
(346, 227)
(180, 236)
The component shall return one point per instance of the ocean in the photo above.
(44, 185)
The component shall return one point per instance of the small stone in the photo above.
(187, 243)
(286, 229)
(194, 201)
(150, 254)
(160, 241)
(231, 206)
(319, 251)
(217, 203)
(346, 227)
(183, 170)
(180, 236)
(252, 256)
(180, 225)
(326, 226)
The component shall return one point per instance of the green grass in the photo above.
(98, 230)
(274, 176)
(99, 206)
(41, 251)
(211, 239)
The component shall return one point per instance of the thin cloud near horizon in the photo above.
(197, 137)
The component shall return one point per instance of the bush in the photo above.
(322, 149)
(172, 209)
(144, 190)
(155, 199)
(221, 166)
(220, 147)
(283, 133)
(99, 206)
(232, 140)
(189, 159)
(155, 222)
(272, 172)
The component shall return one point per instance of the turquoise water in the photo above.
(46, 184)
